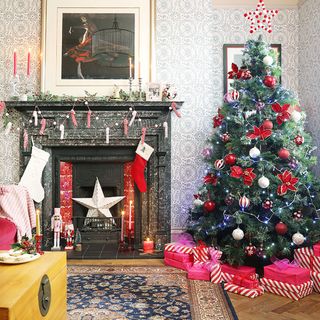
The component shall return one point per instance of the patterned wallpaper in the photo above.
(190, 35)
(309, 66)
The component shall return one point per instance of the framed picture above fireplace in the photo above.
(93, 45)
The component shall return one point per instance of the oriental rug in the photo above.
(151, 292)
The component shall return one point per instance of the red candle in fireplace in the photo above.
(148, 246)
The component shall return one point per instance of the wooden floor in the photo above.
(266, 307)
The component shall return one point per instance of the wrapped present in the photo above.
(201, 254)
(284, 271)
(316, 249)
(251, 293)
(245, 281)
(177, 264)
(228, 272)
(185, 244)
(315, 277)
(294, 292)
(178, 260)
(306, 258)
(198, 272)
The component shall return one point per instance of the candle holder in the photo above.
(140, 89)
(39, 243)
(15, 83)
(130, 89)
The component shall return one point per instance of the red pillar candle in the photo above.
(28, 63)
(148, 246)
(14, 62)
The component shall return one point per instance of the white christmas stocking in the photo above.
(31, 177)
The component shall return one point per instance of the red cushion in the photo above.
(8, 233)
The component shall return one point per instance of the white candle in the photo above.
(107, 135)
(139, 70)
(130, 215)
(122, 226)
(130, 67)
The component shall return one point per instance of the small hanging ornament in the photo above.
(229, 199)
(244, 202)
(299, 140)
(254, 153)
(166, 131)
(268, 60)
(143, 134)
(284, 153)
(134, 114)
(298, 239)
(281, 228)
(267, 204)
(209, 206)
(61, 128)
(270, 81)
(260, 105)
(296, 116)
(225, 137)
(250, 250)
(237, 234)
(293, 164)
(219, 164)
(35, 117)
(107, 135)
(260, 251)
(125, 127)
(267, 124)
(230, 159)
(89, 119)
(73, 118)
(198, 203)
(297, 215)
(25, 139)
(235, 95)
(263, 182)
(43, 123)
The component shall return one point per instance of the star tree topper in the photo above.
(261, 17)
(98, 205)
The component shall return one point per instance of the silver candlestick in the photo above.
(15, 83)
(130, 89)
(140, 89)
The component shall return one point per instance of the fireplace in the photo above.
(90, 156)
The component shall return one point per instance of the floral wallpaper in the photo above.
(189, 39)
(309, 66)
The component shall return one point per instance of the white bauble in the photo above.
(298, 238)
(198, 202)
(268, 61)
(263, 182)
(254, 152)
(296, 116)
(237, 234)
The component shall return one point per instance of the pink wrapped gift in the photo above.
(251, 293)
(177, 264)
(283, 271)
(294, 292)
(315, 277)
(316, 249)
(198, 273)
(185, 244)
(246, 282)
(228, 272)
(306, 259)
(181, 257)
(209, 271)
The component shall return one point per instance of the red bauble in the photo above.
(225, 137)
(230, 159)
(209, 206)
(299, 140)
(267, 124)
(270, 81)
(284, 153)
(267, 204)
(281, 228)
(297, 215)
(250, 250)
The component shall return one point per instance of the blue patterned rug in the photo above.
(155, 293)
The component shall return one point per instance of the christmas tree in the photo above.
(259, 198)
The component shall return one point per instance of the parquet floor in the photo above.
(266, 307)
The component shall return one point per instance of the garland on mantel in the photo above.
(37, 117)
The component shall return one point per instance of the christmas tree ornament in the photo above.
(235, 95)
(260, 105)
(237, 234)
(250, 250)
(267, 204)
(229, 199)
(270, 81)
(210, 178)
(219, 164)
(281, 228)
(299, 140)
(254, 153)
(225, 137)
(267, 124)
(207, 153)
(288, 183)
(297, 215)
(298, 239)
(263, 182)
(209, 206)
(293, 163)
(227, 98)
(260, 133)
(244, 202)
(198, 203)
(261, 18)
(260, 251)
(230, 159)
(283, 113)
(296, 116)
(218, 119)
(32, 176)
(268, 60)
(284, 154)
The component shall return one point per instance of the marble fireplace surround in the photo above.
(153, 218)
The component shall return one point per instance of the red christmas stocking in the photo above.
(137, 172)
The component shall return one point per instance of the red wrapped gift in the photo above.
(316, 249)
(306, 259)
(283, 271)
(228, 272)
(177, 264)
(251, 293)
(201, 253)
(315, 277)
(181, 257)
(198, 273)
(245, 281)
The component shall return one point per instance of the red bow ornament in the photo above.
(260, 133)
(288, 183)
(217, 120)
(283, 112)
(237, 73)
(210, 179)
(247, 174)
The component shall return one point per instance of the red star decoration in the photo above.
(261, 17)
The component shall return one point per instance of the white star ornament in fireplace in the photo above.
(99, 205)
